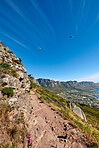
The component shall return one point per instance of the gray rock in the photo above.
(20, 84)
(0, 94)
(12, 100)
(21, 74)
(5, 80)
(77, 110)
(33, 79)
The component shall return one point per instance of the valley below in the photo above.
(84, 93)
(81, 97)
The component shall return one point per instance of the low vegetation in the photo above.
(12, 133)
(61, 105)
(32, 85)
(92, 115)
(8, 91)
(5, 68)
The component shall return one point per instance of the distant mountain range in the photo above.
(62, 86)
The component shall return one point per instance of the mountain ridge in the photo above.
(83, 85)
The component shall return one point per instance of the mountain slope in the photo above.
(26, 109)
(61, 106)
(60, 85)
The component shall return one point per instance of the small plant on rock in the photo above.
(5, 66)
(13, 73)
(8, 91)
(9, 51)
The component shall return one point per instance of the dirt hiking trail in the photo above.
(49, 130)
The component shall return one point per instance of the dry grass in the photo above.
(61, 105)
(11, 133)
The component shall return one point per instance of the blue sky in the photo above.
(38, 31)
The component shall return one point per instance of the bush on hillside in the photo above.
(9, 51)
(20, 60)
(14, 73)
(8, 91)
(4, 67)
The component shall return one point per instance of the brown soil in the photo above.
(49, 130)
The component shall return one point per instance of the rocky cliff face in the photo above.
(33, 79)
(14, 105)
(12, 73)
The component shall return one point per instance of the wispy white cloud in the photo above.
(15, 7)
(83, 8)
(13, 39)
(42, 14)
(25, 18)
(19, 11)
(94, 78)
(84, 3)
(97, 17)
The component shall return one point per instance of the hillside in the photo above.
(26, 109)
(62, 86)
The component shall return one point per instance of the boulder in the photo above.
(12, 101)
(21, 74)
(77, 110)
(5, 80)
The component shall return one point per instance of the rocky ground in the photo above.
(49, 130)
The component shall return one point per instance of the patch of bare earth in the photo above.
(49, 130)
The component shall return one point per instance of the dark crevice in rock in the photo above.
(63, 137)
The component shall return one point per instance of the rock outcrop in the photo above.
(14, 106)
(33, 79)
(77, 110)
(12, 73)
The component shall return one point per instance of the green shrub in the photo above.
(5, 66)
(14, 132)
(8, 91)
(20, 60)
(13, 73)
(80, 125)
(92, 115)
(20, 120)
(9, 51)
(93, 145)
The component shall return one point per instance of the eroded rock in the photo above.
(77, 110)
